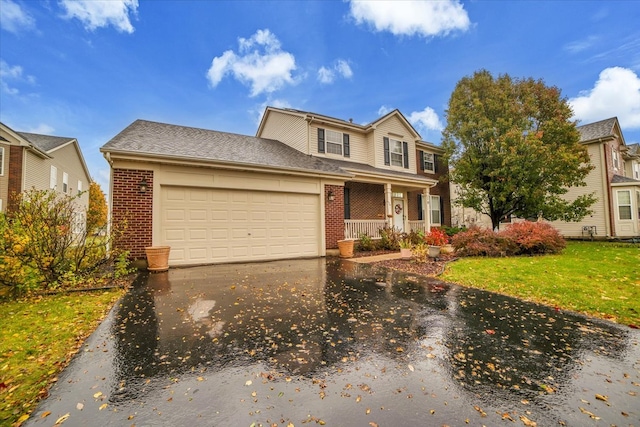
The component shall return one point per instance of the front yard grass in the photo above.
(38, 337)
(601, 279)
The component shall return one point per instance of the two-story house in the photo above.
(41, 162)
(301, 184)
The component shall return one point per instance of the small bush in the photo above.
(365, 243)
(478, 241)
(534, 238)
(420, 252)
(390, 238)
(415, 237)
(452, 231)
(436, 237)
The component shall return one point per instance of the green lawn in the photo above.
(38, 337)
(597, 278)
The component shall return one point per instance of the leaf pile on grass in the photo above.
(38, 338)
(597, 278)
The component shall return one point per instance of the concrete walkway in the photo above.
(375, 258)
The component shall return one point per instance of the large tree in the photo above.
(514, 150)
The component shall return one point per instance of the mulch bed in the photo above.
(429, 268)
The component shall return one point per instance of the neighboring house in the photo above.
(303, 183)
(615, 180)
(41, 162)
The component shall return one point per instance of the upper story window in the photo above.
(396, 153)
(65, 182)
(1, 161)
(79, 186)
(333, 142)
(53, 178)
(428, 162)
(615, 157)
(636, 170)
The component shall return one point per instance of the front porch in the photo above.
(354, 228)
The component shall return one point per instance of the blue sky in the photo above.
(87, 69)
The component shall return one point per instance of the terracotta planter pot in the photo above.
(405, 253)
(346, 248)
(157, 258)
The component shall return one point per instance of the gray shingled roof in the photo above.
(152, 138)
(633, 149)
(45, 143)
(601, 129)
(370, 169)
(618, 179)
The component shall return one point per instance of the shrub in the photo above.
(452, 231)
(478, 241)
(534, 238)
(420, 252)
(390, 238)
(44, 245)
(415, 237)
(436, 237)
(365, 243)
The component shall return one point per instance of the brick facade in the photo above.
(133, 208)
(16, 155)
(334, 215)
(367, 200)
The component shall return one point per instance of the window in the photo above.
(636, 170)
(395, 149)
(1, 161)
(435, 210)
(624, 204)
(53, 178)
(334, 142)
(428, 162)
(616, 159)
(79, 187)
(65, 182)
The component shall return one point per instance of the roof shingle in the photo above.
(45, 143)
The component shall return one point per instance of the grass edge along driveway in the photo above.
(38, 338)
(601, 279)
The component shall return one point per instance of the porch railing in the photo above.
(417, 225)
(353, 228)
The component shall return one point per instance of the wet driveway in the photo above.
(315, 342)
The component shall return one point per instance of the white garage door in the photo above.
(212, 226)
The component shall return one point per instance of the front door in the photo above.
(398, 214)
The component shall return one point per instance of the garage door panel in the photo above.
(216, 225)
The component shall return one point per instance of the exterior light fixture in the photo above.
(331, 196)
(143, 185)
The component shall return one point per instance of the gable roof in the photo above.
(594, 131)
(45, 143)
(152, 139)
(311, 116)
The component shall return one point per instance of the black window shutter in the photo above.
(435, 163)
(441, 210)
(345, 144)
(387, 157)
(347, 203)
(405, 152)
(421, 160)
(320, 140)
(420, 218)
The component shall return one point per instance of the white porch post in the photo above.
(426, 203)
(387, 204)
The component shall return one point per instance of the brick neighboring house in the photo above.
(29, 160)
(301, 184)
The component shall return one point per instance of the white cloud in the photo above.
(42, 129)
(426, 119)
(384, 110)
(14, 18)
(424, 18)
(340, 68)
(102, 13)
(616, 93)
(578, 46)
(260, 63)
(11, 75)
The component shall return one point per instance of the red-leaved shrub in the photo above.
(478, 241)
(534, 238)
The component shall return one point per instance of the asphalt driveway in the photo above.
(331, 342)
